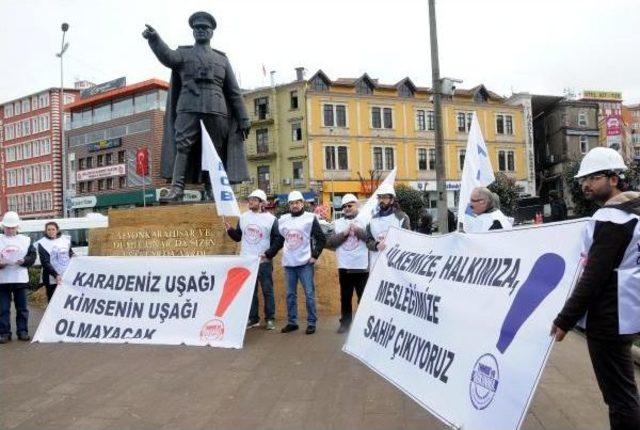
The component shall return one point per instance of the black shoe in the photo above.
(173, 196)
(5, 338)
(311, 329)
(253, 323)
(24, 337)
(289, 328)
(343, 328)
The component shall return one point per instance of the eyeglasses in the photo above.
(591, 178)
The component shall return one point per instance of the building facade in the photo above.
(631, 116)
(564, 131)
(330, 138)
(107, 131)
(30, 154)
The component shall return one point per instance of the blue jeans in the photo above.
(19, 292)
(305, 275)
(265, 279)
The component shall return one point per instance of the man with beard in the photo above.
(303, 243)
(388, 215)
(608, 291)
(257, 232)
(349, 241)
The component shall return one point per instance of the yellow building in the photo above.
(353, 131)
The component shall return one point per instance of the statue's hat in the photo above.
(202, 17)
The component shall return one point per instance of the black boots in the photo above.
(177, 184)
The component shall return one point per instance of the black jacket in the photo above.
(596, 293)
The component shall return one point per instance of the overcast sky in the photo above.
(538, 46)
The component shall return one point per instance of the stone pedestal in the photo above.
(188, 230)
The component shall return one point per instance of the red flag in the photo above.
(142, 162)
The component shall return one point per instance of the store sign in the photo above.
(104, 87)
(189, 195)
(101, 172)
(104, 144)
(83, 202)
(601, 95)
(431, 185)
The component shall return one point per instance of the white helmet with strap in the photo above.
(601, 159)
(259, 194)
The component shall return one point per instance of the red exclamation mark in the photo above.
(214, 329)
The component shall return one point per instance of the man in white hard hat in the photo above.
(349, 241)
(608, 292)
(257, 232)
(303, 243)
(388, 215)
(17, 254)
(486, 211)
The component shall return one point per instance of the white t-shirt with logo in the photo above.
(12, 249)
(379, 227)
(58, 250)
(297, 238)
(256, 232)
(352, 254)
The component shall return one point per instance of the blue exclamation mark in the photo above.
(543, 279)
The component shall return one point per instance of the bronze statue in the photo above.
(203, 87)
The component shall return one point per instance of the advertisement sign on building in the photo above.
(83, 202)
(602, 95)
(101, 172)
(104, 144)
(613, 125)
(104, 87)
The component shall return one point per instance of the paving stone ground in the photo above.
(277, 381)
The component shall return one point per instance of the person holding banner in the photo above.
(17, 254)
(303, 243)
(349, 241)
(608, 291)
(257, 232)
(486, 208)
(54, 251)
(389, 215)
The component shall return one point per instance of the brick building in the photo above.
(30, 154)
(105, 133)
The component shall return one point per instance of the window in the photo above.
(263, 178)
(504, 124)
(464, 121)
(584, 144)
(422, 159)
(261, 106)
(26, 150)
(89, 186)
(425, 120)
(81, 164)
(89, 161)
(296, 131)
(26, 105)
(297, 170)
(36, 175)
(381, 117)
(145, 102)
(43, 100)
(294, 99)
(37, 202)
(362, 87)
(318, 84)
(100, 184)
(110, 184)
(108, 159)
(122, 182)
(34, 102)
(46, 147)
(8, 111)
(335, 115)
(28, 175)
(383, 158)
(582, 119)
(262, 140)
(122, 108)
(28, 203)
(37, 148)
(16, 108)
(506, 161)
(45, 172)
(336, 158)
(100, 160)
(405, 91)
(121, 156)
(461, 155)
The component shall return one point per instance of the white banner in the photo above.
(152, 300)
(226, 203)
(461, 322)
(101, 172)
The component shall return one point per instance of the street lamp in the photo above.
(63, 148)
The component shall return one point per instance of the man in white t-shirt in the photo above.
(257, 232)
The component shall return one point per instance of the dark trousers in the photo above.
(265, 279)
(350, 281)
(613, 365)
(187, 131)
(50, 290)
(19, 293)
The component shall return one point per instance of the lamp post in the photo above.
(437, 109)
(63, 148)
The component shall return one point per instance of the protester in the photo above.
(425, 223)
(349, 241)
(55, 251)
(303, 243)
(389, 215)
(452, 221)
(17, 254)
(257, 232)
(558, 206)
(487, 214)
(608, 291)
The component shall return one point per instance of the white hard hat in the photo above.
(259, 194)
(10, 219)
(294, 196)
(601, 159)
(385, 189)
(348, 198)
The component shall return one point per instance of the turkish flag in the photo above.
(142, 162)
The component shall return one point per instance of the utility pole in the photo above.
(63, 147)
(437, 108)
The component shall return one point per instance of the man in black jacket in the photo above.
(608, 291)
